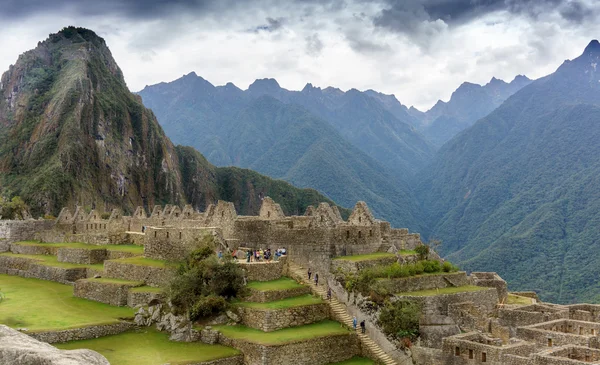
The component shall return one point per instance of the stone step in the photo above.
(341, 314)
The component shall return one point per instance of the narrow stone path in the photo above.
(340, 313)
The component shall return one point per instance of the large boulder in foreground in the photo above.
(17, 348)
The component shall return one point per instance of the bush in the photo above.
(203, 284)
(422, 251)
(14, 208)
(448, 267)
(400, 319)
(431, 266)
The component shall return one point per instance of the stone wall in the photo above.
(318, 351)
(268, 320)
(135, 298)
(25, 249)
(113, 293)
(568, 355)
(173, 244)
(561, 333)
(264, 271)
(263, 296)
(491, 280)
(31, 268)
(82, 255)
(475, 347)
(83, 333)
(339, 264)
(151, 275)
(424, 282)
(21, 230)
(486, 300)
(234, 360)
(529, 315)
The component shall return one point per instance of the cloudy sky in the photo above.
(419, 50)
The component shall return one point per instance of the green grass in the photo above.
(146, 289)
(286, 335)
(45, 305)
(150, 347)
(142, 261)
(116, 281)
(407, 252)
(451, 290)
(356, 361)
(282, 283)
(517, 299)
(120, 248)
(284, 303)
(53, 261)
(366, 257)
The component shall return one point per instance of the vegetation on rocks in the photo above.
(14, 208)
(400, 319)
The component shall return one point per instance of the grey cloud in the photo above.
(416, 16)
(314, 45)
(271, 26)
(359, 42)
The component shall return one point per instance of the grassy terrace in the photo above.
(451, 290)
(284, 303)
(146, 289)
(517, 299)
(366, 257)
(407, 252)
(356, 361)
(45, 305)
(53, 261)
(116, 281)
(282, 283)
(120, 248)
(150, 347)
(142, 261)
(286, 335)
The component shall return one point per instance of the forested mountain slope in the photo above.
(517, 193)
(257, 129)
(72, 133)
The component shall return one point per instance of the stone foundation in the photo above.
(268, 320)
(105, 292)
(33, 249)
(142, 298)
(425, 282)
(355, 266)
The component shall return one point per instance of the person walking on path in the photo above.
(354, 322)
(363, 328)
(309, 274)
(220, 254)
(329, 293)
(248, 255)
(317, 279)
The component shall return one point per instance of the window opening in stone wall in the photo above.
(580, 330)
(470, 354)
(86, 226)
(457, 351)
(549, 342)
(167, 234)
(347, 234)
(359, 219)
(155, 233)
(371, 232)
(223, 214)
(322, 219)
(269, 214)
(592, 332)
(176, 214)
(483, 357)
(179, 235)
(359, 234)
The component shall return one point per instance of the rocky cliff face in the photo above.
(72, 133)
(19, 349)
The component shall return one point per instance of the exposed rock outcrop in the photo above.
(19, 349)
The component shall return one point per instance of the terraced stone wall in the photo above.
(151, 275)
(263, 296)
(110, 293)
(486, 300)
(355, 266)
(474, 348)
(135, 298)
(83, 333)
(425, 282)
(30, 268)
(318, 351)
(82, 255)
(268, 320)
(264, 271)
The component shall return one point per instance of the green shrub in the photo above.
(400, 319)
(448, 267)
(422, 251)
(419, 267)
(432, 266)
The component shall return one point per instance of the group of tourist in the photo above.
(363, 326)
(265, 255)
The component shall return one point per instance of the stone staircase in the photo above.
(340, 313)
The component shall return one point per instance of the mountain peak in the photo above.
(264, 85)
(593, 46)
(309, 87)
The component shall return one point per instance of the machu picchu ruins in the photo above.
(127, 261)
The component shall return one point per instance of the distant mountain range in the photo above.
(72, 133)
(519, 191)
(265, 129)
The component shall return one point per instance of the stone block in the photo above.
(268, 320)
(82, 255)
(104, 291)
